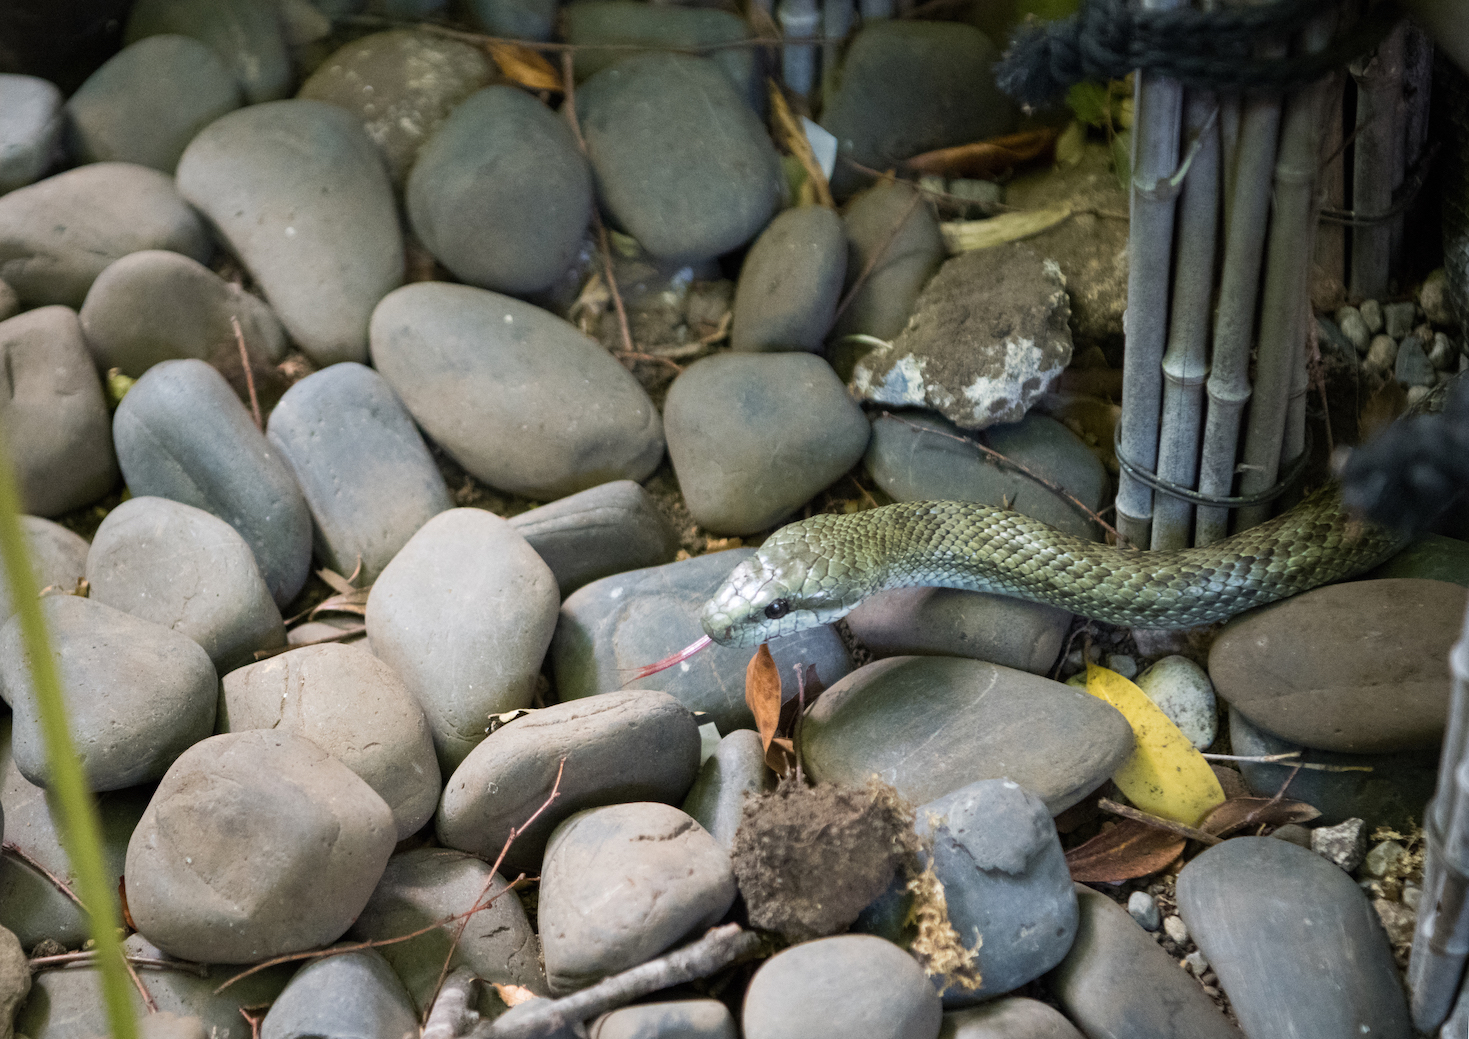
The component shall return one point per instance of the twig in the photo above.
(249, 375)
(720, 947)
(873, 260)
(345, 633)
(88, 957)
(1290, 755)
(799, 145)
(370, 21)
(60, 885)
(1050, 485)
(451, 1014)
(1156, 822)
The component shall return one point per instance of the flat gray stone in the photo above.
(299, 192)
(679, 1019)
(790, 282)
(794, 432)
(58, 560)
(138, 694)
(1117, 980)
(464, 614)
(354, 995)
(623, 746)
(921, 458)
(522, 19)
(181, 433)
(30, 129)
(58, 234)
(735, 770)
(350, 704)
(186, 569)
(623, 883)
(1327, 969)
(362, 466)
(154, 306)
(884, 218)
(683, 164)
(565, 415)
(948, 622)
(930, 725)
(608, 529)
(55, 417)
(848, 985)
(624, 622)
(148, 101)
(255, 844)
(1412, 367)
(502, 195)
(424, 886)
(1013, 1017)
(246, 34)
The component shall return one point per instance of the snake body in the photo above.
(817, 570)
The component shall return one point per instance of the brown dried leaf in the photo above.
(792, 135)
(512, 995)
(780, 757)
(762, 693)
(337, 581)
(1239, 812)
(354, 601)
(985, 160)
(1124, 852)
(524, 66)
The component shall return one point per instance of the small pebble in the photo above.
(1123, 664)
(1412, 367)
(1382, 858)
(1344, 844)
(1196, 962)
(1175, 928)
(1349, 320)
(1371, 312)
(1435, 299)
(1412, 895)
(1444, 354)
(1417, 393)
(1398, 318)
(1383, 353)
(1144, 909)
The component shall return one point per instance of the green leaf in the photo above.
(1122, 160)
(1090, 102)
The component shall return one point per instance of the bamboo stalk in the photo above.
(1186, 362)
(1330, 254)
(1230, 108)
(1413, 105)
(836, 22)
(798, 21)
(1158, 108)
(1379, 82)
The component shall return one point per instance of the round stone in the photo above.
(734, 771)
(246, 34)
(58, 560)
(894, 246)
(30, 129)
(790, 282)
(1183, 691)
(341, 997)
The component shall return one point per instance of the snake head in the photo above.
(775, 592)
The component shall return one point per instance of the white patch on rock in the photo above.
(902, 386)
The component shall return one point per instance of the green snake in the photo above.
(816, 571)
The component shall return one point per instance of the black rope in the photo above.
(1107, 39)
(1212, 501)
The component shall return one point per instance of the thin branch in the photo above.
(13, 849)
(1290, 755)
(451, 1013)
(249, 375)
(1156, 822)
(88, 957)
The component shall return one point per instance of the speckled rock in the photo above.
(907, 87)
(662, 27)
(792, 432)
(186, 569)
(30, 129)
(882, 303)
(947, 622)
(679, 1019)
(350, 704)
(632, 619)
(402, 84)
(1182, 690)
(58, 234)
(153, 306)
(620, 746)
(425, 885)
(1327, 969)
(502, 195)
(608, 529)
(930, 725)
(1013, 1017)
(988, 336)
(138, 694)
(349, 996)
(790, 282)
(848, 985)
(1360, 667)
(682, 163)
(148, 101)
(567, 416)
(735, 769)
(248, 36)
(299, 192)
(56, 424)
(58, 559)
(362, 467)
(464, 614)
(255, 844)
(181, 433)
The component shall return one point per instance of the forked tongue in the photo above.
(669, 661)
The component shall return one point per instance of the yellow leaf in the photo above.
(522, 65)
(963, 235)
(1164, 775)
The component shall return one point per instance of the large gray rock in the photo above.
(464, 614)
(623, 883)
(790, 282)
(625, 23)
(683, 165)
(354, 995)
(188, 570)
(948, 622)
(181, 433)
(55, 418)
(517, 396)
(58, 560)
(620, 623)
(833, 988)
(894, 240)
(148, 101)
(930, 725)
(255, 844)
(299, 192)
(362, 467)
(351, 705)
(137, 694)
(246, 34)
(679, 1019)
(30, 129)
(1325, 969)
(794, 431)
(617, 747)
(735, 770)
(502, 195)
(154, 306)
(58, 234)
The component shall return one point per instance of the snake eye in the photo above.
(777, 609)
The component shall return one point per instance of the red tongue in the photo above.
(669, 661)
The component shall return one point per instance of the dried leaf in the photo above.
(963, 235)
(1239, 812)
(1124, 852)
(353, 601)
(524, 66)
(1090, 101)
(792, 136)
(1071, 145)
(780, 757)
(336, 580)
(762, 693)
(512, 995)
(122, 898)
(986, 160)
